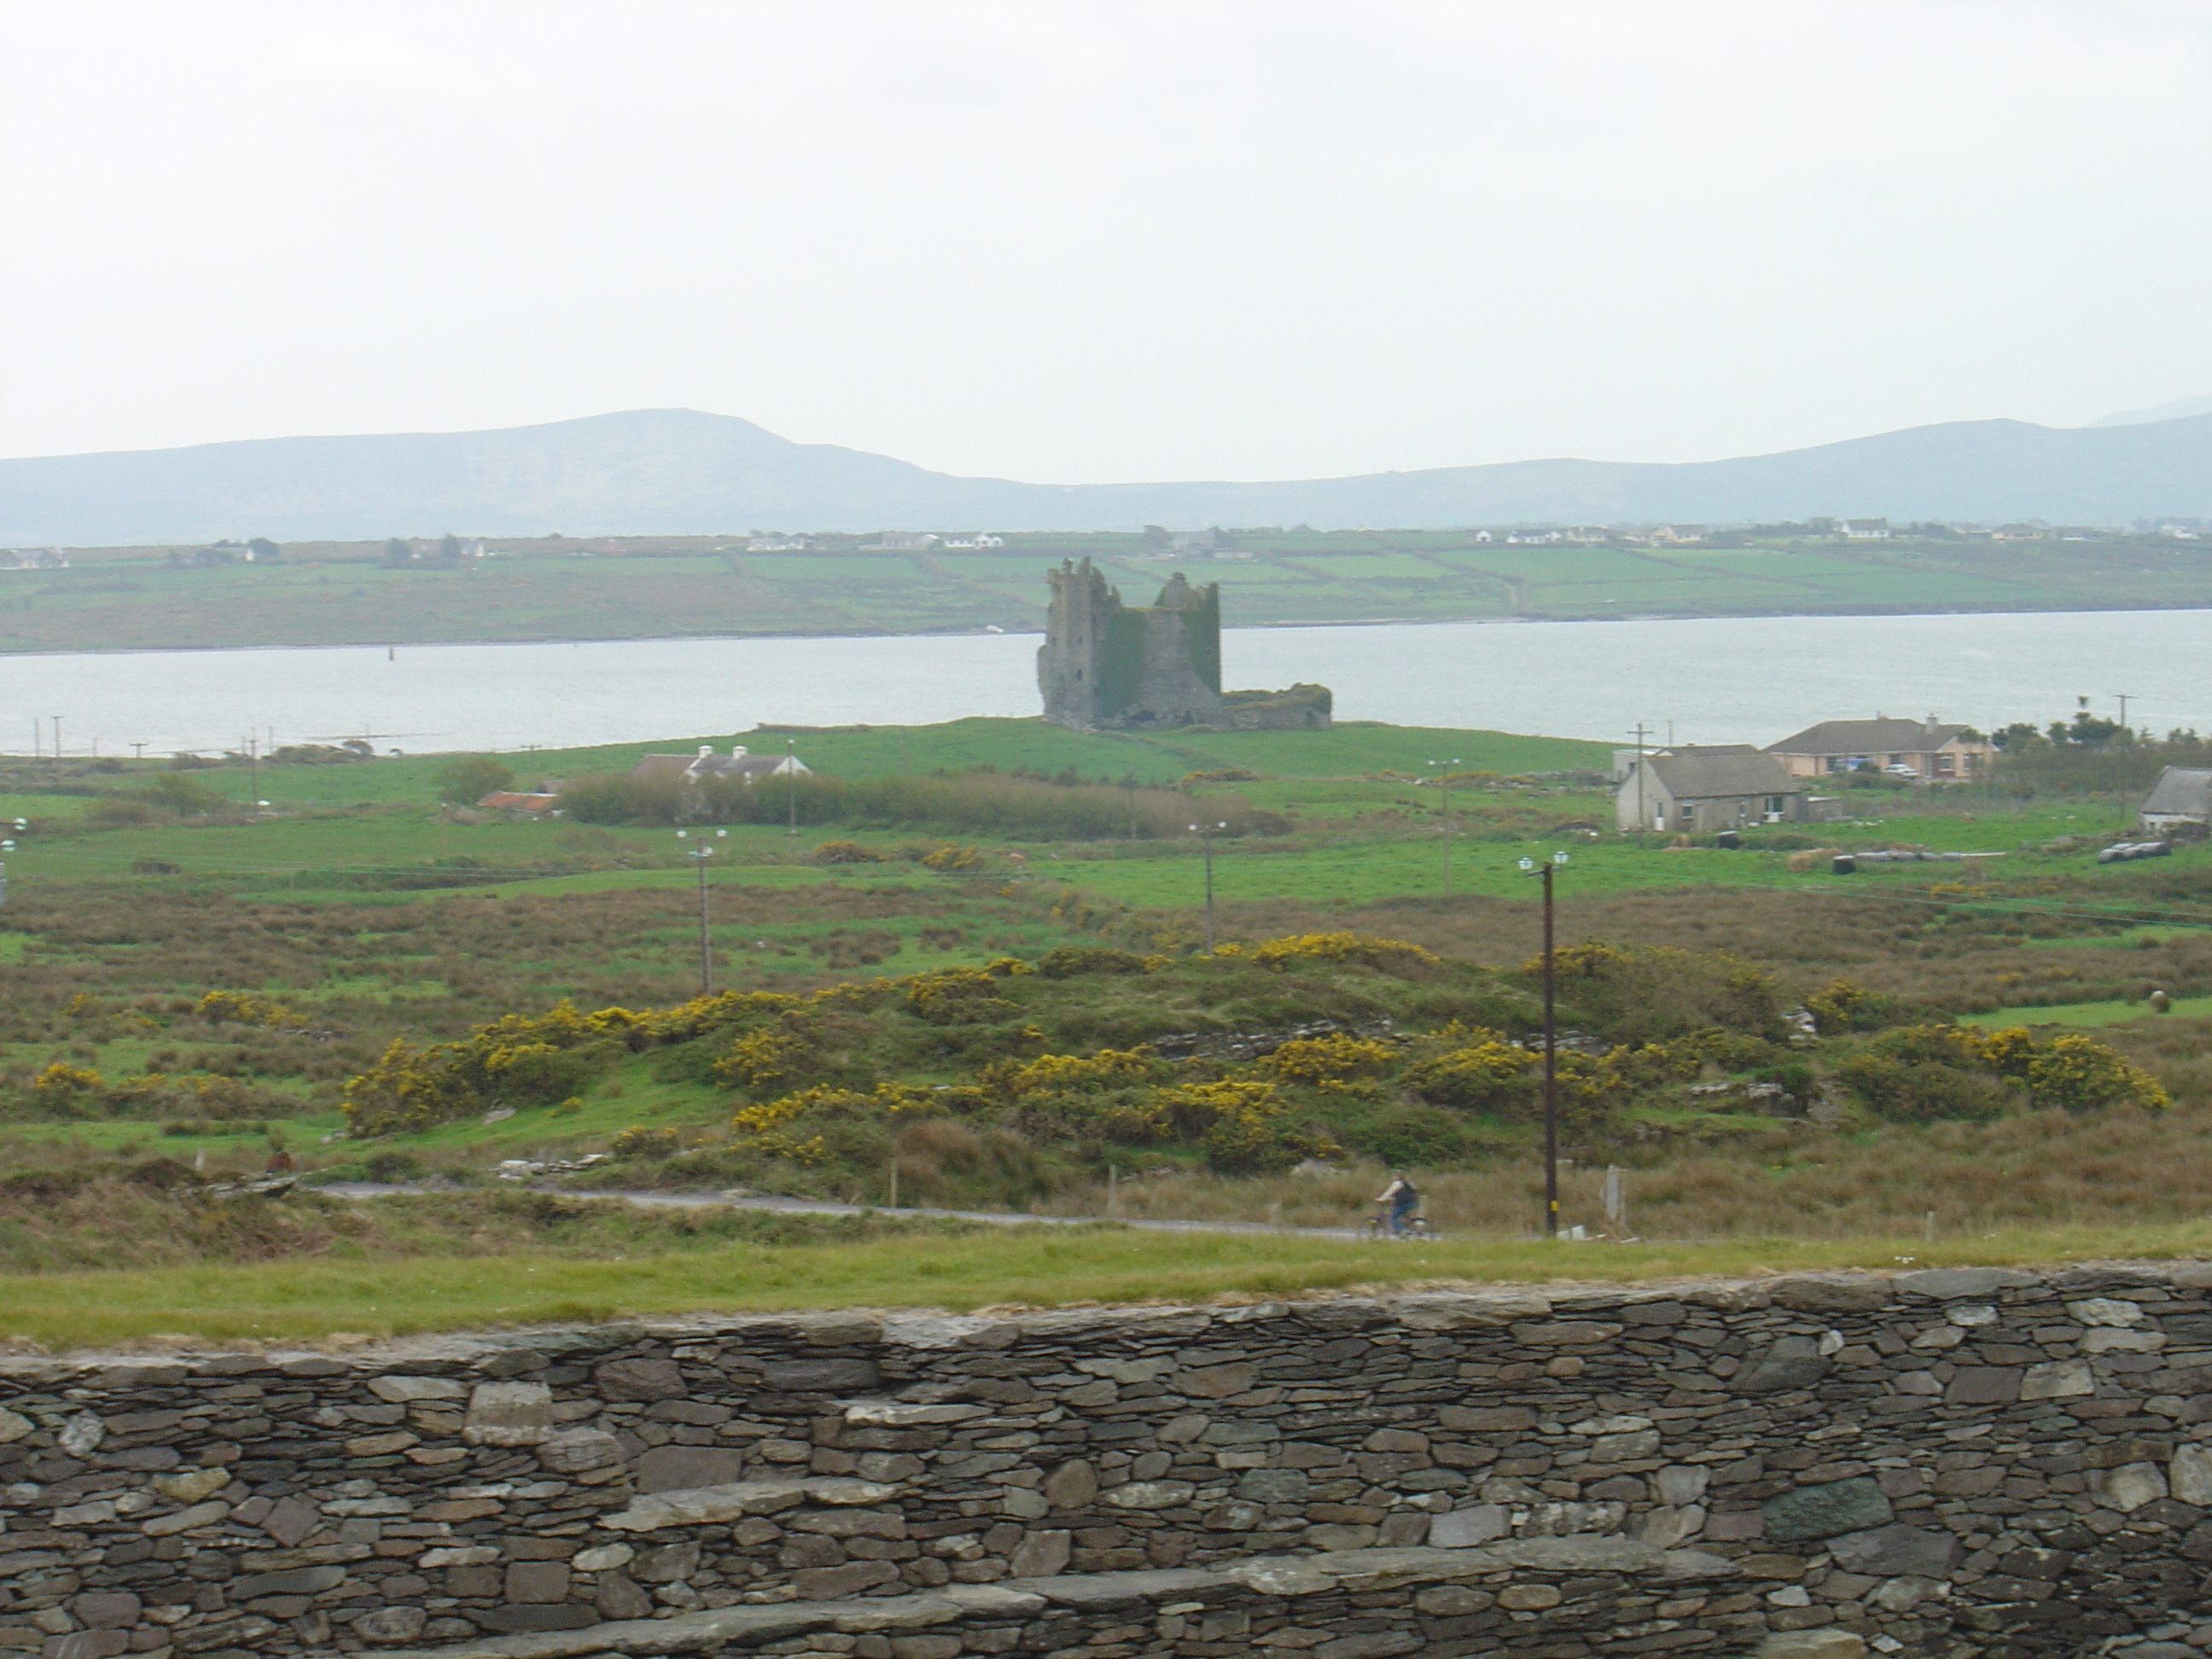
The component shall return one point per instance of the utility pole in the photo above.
(58, 736)
(1205, 833)
(791, 782)
(1444, 779)
(699, 856)
(1550, 1055)
(2123, 696)
(1642, 734)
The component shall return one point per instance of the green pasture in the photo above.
(2088, 1013)
(327, 594)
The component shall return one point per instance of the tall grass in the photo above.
(979, 801)
(2035, 1170)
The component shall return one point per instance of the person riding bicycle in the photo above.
(1403, 1198)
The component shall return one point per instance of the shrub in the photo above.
(846, 851)
(1488, 1074)
(1412, 1135)
(639, 1142)
(2078, 1074)
(1333, 1060)
(1071, 961)
(1388, 955)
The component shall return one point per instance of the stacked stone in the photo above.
(1986, 1460)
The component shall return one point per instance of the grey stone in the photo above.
(2189, 1474)
(551, 1615)
(1897, 1551)
(640, 1380)
(1823, 1512)
(1820, 1294)
(2128, 1487)
(403, 1391)
(1073, 1485)
(1151, 1494)
(1790, 1362)
(619, 1597)
(1465, 1529)
(682, 1469)
(835, 1583)
(2059, 1379)
(114, 1610)
(86, 1644)
(289, 1521)
(1985, 1385)
(821, 1375)
(1680, 1484)
(300, 1581)
(508, 1414)
(572, 1451)
(1955, 1284)
(387, 1626)
(1041, 1555)
(1827, 1643)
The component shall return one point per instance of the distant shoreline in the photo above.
(536, 640)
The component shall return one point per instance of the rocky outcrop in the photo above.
(1975, 1460)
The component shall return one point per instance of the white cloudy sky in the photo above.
(1074, 241)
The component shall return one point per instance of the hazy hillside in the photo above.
(675, 470)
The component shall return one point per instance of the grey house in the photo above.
(2182, 794)
(1711, 786)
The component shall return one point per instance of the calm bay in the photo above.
(1738, 679)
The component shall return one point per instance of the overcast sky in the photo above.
(1075, 242)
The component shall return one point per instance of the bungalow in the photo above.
(2182, 794)
(900, 541)
(979, 540)
(1928, 751)
(1695, 789)
(1678, 534)
(1864, 530)
(775, 544)
(698, 768)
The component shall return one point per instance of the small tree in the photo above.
(467, 779)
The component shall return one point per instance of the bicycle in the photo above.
(1378, 1228)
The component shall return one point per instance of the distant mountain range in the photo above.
(675, 470)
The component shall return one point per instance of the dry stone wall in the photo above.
(1948, 1462)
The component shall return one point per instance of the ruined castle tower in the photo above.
(1105, 663)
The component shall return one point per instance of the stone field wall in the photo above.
(1934, 1463)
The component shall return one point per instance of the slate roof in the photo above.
(1712, 772)
(1866, 737)
(2181, 791)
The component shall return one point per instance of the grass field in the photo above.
(1009, 1267)
(646, 587)
(321, 907)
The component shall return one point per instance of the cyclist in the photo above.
(1403, 1198)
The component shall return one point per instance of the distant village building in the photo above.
(530, 803)
(1925, 750)
(1694, 790)
(693, 769)
(777, 544)
(2182, 794)
(1864, 530)
(1679, 533)
(1107, 664)
(34, 558)
(900, 541)
(974, 541)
